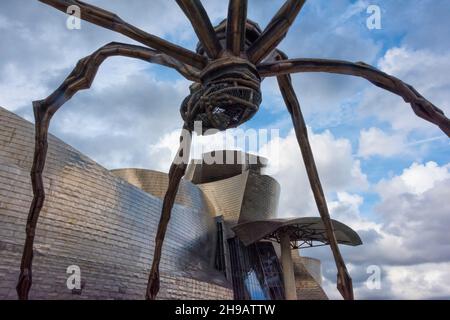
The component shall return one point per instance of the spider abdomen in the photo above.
(229, 93)
(228, 96)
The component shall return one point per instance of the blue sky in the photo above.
(386, 172)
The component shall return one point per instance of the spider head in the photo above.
(228, 95)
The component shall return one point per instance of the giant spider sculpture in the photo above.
(227, 68)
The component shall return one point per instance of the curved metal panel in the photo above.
(299, 229)
(100, 223)
(308, 278)
(260, 198)
(156, 183)
(225, 196)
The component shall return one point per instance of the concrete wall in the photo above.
(99, 222)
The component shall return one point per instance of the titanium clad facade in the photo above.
(239, 192)
(100, 223)
(104, 222)
(260, 198)
(225, 196)
(156, 183)
(308, 278)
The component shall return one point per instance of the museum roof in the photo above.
(305, 232)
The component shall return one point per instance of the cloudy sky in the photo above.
(385, 171)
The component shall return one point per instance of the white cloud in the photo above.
(423, 281)
(345, 208)
(338, 170)
(426, 71)
(407, 238)
(16, 88)
(131, 118)
(415, 180)
(413, 208)
(163, 152)
(375, 142)
(413, 224)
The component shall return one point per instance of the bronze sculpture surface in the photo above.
(227, 69)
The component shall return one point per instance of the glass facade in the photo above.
(256, 271)
(219, 261)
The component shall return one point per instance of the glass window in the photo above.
(256, 271)
(220, 253)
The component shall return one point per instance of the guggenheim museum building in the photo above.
(224, 239)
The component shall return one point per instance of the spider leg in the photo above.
(421, 107)
(113, 22)
(176, 172)
(199, 19)
(344, 282)
(275, 31)
(80, 78)
(42, 120)
(237, 17)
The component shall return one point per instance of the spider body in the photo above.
(229, 91)
(227, 69)
(251, 33)
(228, 95)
